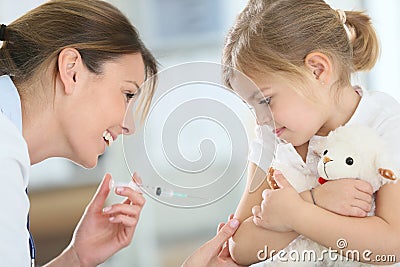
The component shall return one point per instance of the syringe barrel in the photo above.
(163, 192)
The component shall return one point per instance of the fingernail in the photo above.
(106, 209)
(234, 223)
(277, 172)
(111, 219)
(119, 190)
(111, 184)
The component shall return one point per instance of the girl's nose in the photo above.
(263, 117)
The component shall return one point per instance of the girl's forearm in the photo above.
(361, 234)
(249, 239)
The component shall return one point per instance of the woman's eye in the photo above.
(129, 96)
(266, 100)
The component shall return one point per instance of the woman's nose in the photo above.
(128, 125)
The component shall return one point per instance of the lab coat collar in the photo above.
(10, 102)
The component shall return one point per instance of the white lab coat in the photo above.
(14, 173)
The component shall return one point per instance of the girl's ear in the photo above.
(320, 66)
(69, 64)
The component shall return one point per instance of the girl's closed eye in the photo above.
(265, 100)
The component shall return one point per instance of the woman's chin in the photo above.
(87, 163)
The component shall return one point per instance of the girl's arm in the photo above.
(341, 196)
(285, 209)
(249, 238)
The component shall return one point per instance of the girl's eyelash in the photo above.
(265, 100)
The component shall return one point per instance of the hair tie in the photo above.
(2, 32)
(351, 34)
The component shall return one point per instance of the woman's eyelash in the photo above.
(129, 96)
(265, 100)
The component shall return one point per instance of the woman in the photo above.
(68, 71)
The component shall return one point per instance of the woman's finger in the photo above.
(220, 227)
(133, 196)
(214, 246)
(128, 210)
(125, 220)
(99, 198)
(136, 178)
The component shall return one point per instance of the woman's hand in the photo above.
(277, 206)
(349, 197)
(215, 253)
(102, 232)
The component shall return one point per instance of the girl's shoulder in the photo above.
(383, 101)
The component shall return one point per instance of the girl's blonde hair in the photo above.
(276, 36)
(98, 30)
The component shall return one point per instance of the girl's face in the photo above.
(97, 109)
(295, 117)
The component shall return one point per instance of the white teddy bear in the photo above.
(348, 152)
(356, 152)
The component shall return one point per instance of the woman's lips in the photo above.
(278, 131)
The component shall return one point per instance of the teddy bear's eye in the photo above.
(349, 161)
(326, 151)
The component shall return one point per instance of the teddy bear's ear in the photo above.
(388, 174)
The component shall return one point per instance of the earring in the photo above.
(316, 75)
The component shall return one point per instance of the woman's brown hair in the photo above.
(98, 30)
(277, 35)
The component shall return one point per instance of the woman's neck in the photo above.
(39, 129)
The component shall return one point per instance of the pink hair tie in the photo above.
(351, 34)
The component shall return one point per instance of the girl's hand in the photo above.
(349, 197)
(215, 253)
(102, 232)
(278, 206)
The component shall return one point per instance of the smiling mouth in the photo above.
(279, 131)
(108, 138)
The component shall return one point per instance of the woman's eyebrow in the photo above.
(135, 84)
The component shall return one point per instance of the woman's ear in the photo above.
(69, 63)
(320, 66)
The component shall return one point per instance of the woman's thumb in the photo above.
(101, 194)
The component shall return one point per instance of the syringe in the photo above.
(157, 190)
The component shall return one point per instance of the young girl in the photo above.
(300, 54)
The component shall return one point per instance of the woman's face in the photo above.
(295, 117)
(96, 113)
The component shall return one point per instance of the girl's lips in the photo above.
(279, 131)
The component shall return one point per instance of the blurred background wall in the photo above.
(176, 31)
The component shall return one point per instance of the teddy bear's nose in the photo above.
(326, 159)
